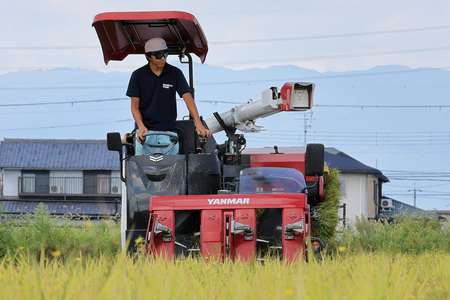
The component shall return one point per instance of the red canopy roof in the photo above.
(123, 33)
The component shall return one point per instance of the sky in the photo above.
(319, 35)
(324, 36)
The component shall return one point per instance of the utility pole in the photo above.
(305, 124)
(415, 190)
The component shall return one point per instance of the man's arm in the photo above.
(190, 103)
(138, 118)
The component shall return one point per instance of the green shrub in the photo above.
(41, 235)
(414, 235)
(325, 228)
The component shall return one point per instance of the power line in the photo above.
(66, 126)
(302, 9)
(102, 100)
(98, 87)
(383, 106)
(211, 101)
(83, 87)
(335, 56)
(62, 102)
(247, 41)
(327, 36)
(51, 48)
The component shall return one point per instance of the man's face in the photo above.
(158, 59)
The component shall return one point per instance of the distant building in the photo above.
(391, 208)
(69, 175)
(361, 185)
(362, 194)
(83, 177)
(443, 213)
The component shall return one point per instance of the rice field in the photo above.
(359, 276)
(46, 258)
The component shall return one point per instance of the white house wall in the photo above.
(355, 197)
(11, 182)
(372, 196)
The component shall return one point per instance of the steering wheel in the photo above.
(158, 147)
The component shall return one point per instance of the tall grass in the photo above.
(360, 276)
(414, 235)
(39, 235)
(46, 258)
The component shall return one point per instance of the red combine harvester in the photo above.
(217, 199)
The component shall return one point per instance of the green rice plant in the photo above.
(6, 233)
(361, 276)
(39, 234)
(413, 235)
(325, 228)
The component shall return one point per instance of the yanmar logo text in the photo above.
(229, 201)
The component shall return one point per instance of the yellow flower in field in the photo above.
(21, 247)
(89, 224)
(78, 258)
(8, 259)
(56, 253)
(288, 293)
(341, 248)
(139, 240)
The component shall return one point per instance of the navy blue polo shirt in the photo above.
(157, 103)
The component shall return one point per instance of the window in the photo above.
(343, 187)
(35, 182)
(96, 182)
(270, 180)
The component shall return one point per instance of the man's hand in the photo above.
(140, 132)
(202, 130)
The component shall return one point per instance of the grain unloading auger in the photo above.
(217, 199)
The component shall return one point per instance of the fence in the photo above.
(98, 185)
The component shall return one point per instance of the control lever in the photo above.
(202, 141)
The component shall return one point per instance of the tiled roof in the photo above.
(401, 209)
(43, 154)
(347, 164)
(62, 207)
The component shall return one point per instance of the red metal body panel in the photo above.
(217, 213)
(124, 33)
(291, 160)
(286, 93)
(157, 246)
(243, 249)
(227, 201)
(293, 249)
(212, 234)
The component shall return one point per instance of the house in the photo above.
(391, 207)
(361, 189)
(443, 213)
(83, 177)
(71, 176)
(361, 185)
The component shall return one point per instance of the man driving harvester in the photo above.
(152, 91)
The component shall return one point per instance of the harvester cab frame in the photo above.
(176, 205)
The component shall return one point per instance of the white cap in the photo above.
(155, 45)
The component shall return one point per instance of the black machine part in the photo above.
(314, 159)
